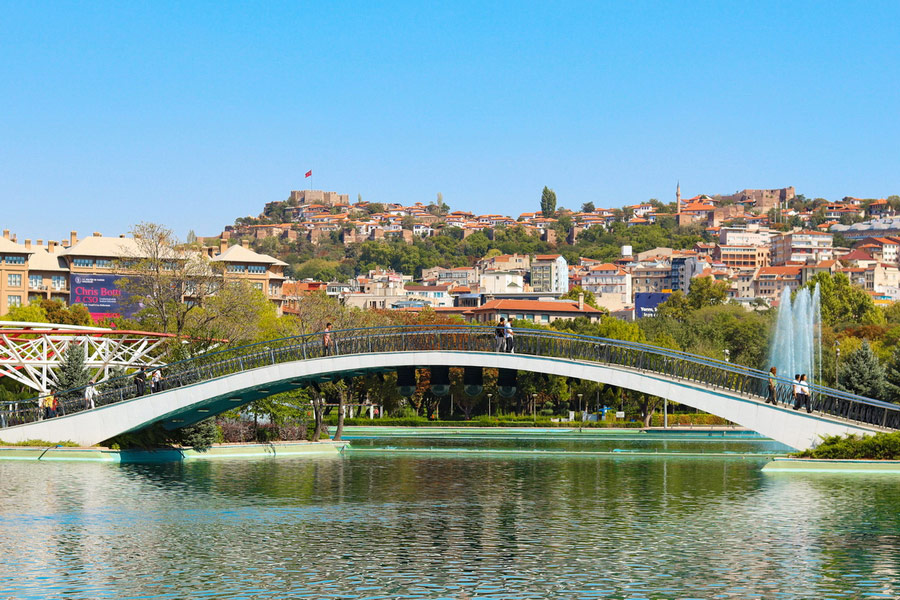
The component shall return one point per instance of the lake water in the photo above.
(379, 523)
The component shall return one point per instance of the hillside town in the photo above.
(758, 242)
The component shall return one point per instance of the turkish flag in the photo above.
(309, 174)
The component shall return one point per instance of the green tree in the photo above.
(576, 291)
(861, 373)
(588, 207)
(548, 202)
(31, 313)
(706, 291)
(892, 378)
(843, 303)
(72, 372)
(375, 208)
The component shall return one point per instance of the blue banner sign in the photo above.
(100, 294)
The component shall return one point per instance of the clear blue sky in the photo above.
(192, 114)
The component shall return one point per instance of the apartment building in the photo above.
(741, 256)
(801, 247)
(501, 282)
(550, 273)
(505, 262)
(611, 285)
(652, 277)
(14, 276)
(263, 272)
(32, 273)
(770, 281)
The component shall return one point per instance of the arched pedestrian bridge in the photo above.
(215, 382)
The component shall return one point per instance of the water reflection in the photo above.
(419, 526)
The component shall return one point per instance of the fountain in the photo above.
(797, 343)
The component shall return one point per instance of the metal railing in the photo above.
(673, 365)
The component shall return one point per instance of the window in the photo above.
(274, 290)
(237, 268)
(84, 262)
(35, 281)
(102, 262)
(257, 286)
(13, 301)
(256, 269)
(503, 316)
(14, 260)
(545, 318)
(59, 282)
(14, 280)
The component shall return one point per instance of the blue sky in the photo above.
(193, 114)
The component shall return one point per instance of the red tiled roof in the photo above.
(535, 306)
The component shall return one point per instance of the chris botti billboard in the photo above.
(102, 297)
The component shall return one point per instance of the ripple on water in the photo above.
(419, 526)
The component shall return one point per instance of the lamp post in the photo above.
(533, 404)
(579, 402)
(837, 364)
(727, 355)
(489, 405)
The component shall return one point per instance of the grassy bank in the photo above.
(39, 444)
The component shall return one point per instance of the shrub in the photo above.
(881, 446)
(689, 419)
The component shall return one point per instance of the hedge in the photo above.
(881, 446)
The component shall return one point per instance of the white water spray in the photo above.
(797, 343)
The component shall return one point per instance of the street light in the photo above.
(837, 364)
(579, 402)
(727, 355)
(533, 404)
(489, 405)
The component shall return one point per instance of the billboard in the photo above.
(100, 294)
(645, 303)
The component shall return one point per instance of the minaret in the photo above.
(678, 199)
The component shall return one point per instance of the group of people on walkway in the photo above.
(799, 390)
(505, 336)
(156, 381)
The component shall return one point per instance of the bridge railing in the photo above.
(673, 365)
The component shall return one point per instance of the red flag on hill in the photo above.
(309, 174)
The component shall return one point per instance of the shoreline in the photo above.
(832, 465)
(165, 455)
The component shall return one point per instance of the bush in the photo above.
(881, 446)
(689, 419)
(40, 443)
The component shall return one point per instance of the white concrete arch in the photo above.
(190, 403)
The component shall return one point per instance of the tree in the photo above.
(375, 208)
(548, 202)
(58, 312)
(706, 291)
(576, 291)
(170, 282)
(862, 374)
(892, 378)
(843, 302)
(31, 313)
(72, 373)
(588, 207)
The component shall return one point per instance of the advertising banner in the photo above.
(645, 303)
(100, 294)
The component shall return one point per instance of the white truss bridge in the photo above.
(31, 353)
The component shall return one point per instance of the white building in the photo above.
(550, 273)
(610, 285)
(501, 282)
